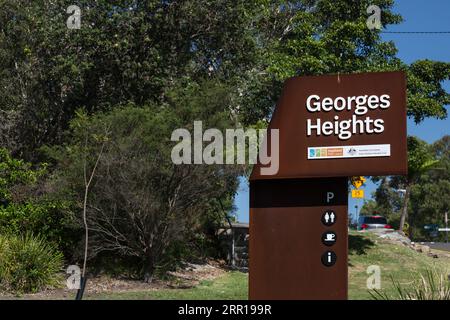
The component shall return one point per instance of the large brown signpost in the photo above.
(330, 128)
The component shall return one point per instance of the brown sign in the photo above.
(298, 239)
(330, 128)
(345, 125)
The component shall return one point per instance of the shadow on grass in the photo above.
(358, 244)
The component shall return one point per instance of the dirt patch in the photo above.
(192, 274)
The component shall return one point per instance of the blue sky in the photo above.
(418, 15)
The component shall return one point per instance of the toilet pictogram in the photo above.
(329, 218)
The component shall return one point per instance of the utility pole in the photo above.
(446, 226)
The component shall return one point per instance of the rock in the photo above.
(395, 236)
(433, 255)
(422, 248)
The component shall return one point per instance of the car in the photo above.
(432, 230)
(372, 222)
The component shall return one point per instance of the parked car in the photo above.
(432, 230)
(372, 222)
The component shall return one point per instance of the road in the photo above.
(438, 245)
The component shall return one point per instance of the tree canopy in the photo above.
(429, 184)
(136, 70)
(136, 51)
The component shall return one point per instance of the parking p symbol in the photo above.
(330, 196)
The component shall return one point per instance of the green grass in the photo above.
(231, 285)
(395, 260)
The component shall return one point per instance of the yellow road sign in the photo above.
(358, 193)
(358, 181)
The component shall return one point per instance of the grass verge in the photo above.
(231, 285)
(395, 260)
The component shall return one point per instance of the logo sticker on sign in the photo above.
(364, 151)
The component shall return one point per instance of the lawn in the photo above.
(231, 285)
(395, 260)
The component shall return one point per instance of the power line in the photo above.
(417, 32)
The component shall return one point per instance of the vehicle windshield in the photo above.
(375, 220)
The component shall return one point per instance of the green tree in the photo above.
(386, 201)
(429, 196)
(15, 174)
(429, 185)
(125, 52)
(331, 37)
(140, 202)
(25, 206)
(420, 160)
(369, 208)
(136, 51)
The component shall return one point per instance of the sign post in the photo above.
(330, 128)
(357, 182)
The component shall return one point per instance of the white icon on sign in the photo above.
(328, 238)
(330, 196)
(329, 217)
(329, 257)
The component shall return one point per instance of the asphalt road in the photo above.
(438, 245)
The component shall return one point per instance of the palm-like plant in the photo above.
(430, 286)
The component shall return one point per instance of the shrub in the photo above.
(28, 263)
(49, 218)
(28, 204)
(140, 202)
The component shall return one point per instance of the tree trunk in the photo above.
(149, 268)
(404, 209)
